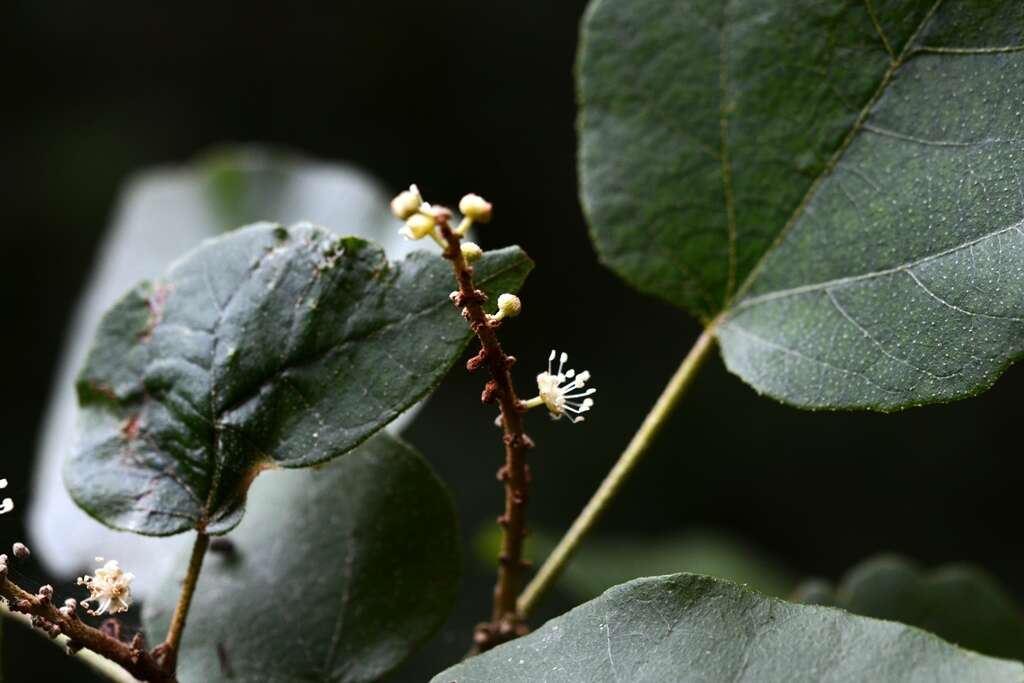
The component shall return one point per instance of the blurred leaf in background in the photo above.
(335, 574)
(957, 602)
(603, 562)
(161, 214)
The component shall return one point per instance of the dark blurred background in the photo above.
(467, 96)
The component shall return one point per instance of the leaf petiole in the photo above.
(172, 644)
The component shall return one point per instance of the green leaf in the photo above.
(835, 187)
(693, 628)
(960, 603)
(268, 347)
(162, 213)
(335, 574)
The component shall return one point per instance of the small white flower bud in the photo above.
(21, 551)
(6, 505)
(406, 203)
(418, 226)
(476, 208)
(471, 251)
(509, 305)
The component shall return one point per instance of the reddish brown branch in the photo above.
(505, 622)
(131, 656)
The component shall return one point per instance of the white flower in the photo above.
(109, 588)
(7, 504)
(406, 203)
(563, 392)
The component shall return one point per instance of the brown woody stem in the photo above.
(131, 656)
(506, 622)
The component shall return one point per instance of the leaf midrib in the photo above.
(901, 267)
(836, 157)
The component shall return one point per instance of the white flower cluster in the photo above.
(563, 392)
(422, 219)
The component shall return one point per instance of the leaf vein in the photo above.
(956, 308)
(842, 281)
(838, 154)
(802, 356)
(878, 344)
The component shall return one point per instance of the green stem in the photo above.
(171, 645)
(600, 501)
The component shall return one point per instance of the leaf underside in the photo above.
(838, 188)
(687, 628)
(268, 347)
(335, 574)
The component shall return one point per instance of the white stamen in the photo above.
(554, 389)
(110, 587)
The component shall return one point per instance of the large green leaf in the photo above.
(335, 574)
(684, 628)
(268, 347)
(959, 603)
(836, 187)
(162, 213)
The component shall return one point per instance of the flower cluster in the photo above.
(109, 588)
(7, 504)
(422, 219)
(563, 392)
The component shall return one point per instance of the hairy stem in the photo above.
(505, 621)
(131, 656)
(171, 644)
(625, 465)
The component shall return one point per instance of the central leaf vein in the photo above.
(857, 126)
